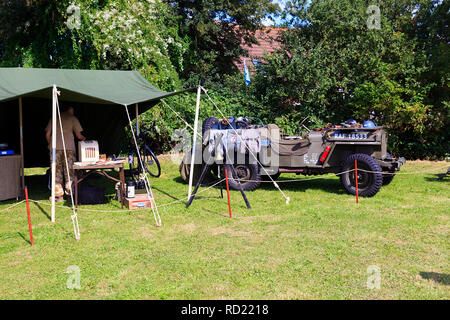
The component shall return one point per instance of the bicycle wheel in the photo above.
(150, 162)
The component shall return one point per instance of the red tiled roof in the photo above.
(268, 42)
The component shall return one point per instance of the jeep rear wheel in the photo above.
(247, 174)
(370, 178)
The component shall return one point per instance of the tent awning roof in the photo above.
(88, 86)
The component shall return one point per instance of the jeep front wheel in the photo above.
(370, 178)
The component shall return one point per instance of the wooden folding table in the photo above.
(81, 172)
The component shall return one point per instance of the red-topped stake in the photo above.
(356, 179)
(29, 218)
(228, 191)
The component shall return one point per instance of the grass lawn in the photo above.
(317, 247)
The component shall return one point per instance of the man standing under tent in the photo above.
(70, 125)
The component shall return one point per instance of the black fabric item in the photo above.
(90, 194)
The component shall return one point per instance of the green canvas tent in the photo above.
(97, 95)
(94, 94)
(86, 86)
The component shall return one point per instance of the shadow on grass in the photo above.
(38, 189)
(178, 179)
(442, 278)
(224, 213)
(440, 177)
(207, 183)
(42, 210)
(328, 185)
(23, 237)
(164, 192)
(38, 186)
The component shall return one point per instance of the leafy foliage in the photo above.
(232, 98)
(216, 30)
(333, 67)
(124, 35)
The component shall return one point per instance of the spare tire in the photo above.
(370, 178)
(247, 174)
(208, 123)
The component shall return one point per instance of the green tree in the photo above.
(126, 35)
(216, 30)
(333, 66)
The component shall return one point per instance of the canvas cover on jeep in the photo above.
(292, 146)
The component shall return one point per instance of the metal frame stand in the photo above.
(206, 169)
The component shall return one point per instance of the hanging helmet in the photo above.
(369, 124)
(350, 121)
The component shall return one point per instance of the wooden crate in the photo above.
(140, 201)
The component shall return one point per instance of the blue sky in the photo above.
(278, 20)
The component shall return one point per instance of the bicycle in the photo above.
(150, 162)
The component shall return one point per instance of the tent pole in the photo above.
(21, 143)
(191, 171)
(53, 150)
(137, 122)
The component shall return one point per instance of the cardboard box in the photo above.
(140, 201)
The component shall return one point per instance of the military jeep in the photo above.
(333, 149)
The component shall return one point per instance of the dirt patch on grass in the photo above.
(293, 293)
(220, 291)
(104, 289)
(233, 233)
(251, 236)
(402, 243)
(146, 232)
(187, 228)
(441, 229)
(264, 218)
